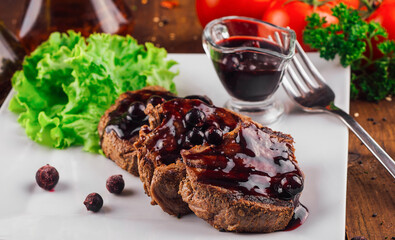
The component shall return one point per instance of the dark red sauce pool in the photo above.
(249, 75)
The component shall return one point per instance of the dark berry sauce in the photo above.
(183, 124)
(299, 217)
(127, 119)
(249, 75)
(251, 162)
(202, 98)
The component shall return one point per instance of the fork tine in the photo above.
(296, 81)
(278, 39)
(270, 38)
(284, 38)
(305, 77)
(288, 88)
(313, 70)
(292, 74)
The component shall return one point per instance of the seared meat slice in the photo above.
(249, 183)
(228, 210)
(175, 125)
(118, 130)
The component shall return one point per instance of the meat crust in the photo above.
(231, 211)
(160, 181)
(228, 208)
(159, 156)
(160, 164)
(122, 151)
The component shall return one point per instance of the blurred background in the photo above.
(170, 24)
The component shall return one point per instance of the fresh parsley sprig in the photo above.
(352, 39)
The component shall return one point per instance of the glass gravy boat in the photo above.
(249, 63)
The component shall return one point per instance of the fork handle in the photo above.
(369, 142)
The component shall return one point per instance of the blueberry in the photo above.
(136, 110)
(202, 98)
(195, 117)
(280, 192)
(47, 177)
(93, 202)
(155, 100)
(115, 184)
(214, 135)
(194, 137)
(292, 184)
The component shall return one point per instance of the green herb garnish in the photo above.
(352, 39)
(68, 82)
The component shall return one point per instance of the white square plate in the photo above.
(28, 212)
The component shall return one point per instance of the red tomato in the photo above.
(385, 15)
(293, 14)
(208, 10)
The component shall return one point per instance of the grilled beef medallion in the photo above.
(250, 182)
(119, 126)
(176, 125)
(192, 156)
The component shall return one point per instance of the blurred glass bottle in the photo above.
(42, 17)
(11, 56)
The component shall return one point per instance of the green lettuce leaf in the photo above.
(68, 82)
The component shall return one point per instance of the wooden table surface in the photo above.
(370, 188)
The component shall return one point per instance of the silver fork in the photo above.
(307, 87)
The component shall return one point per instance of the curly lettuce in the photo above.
(68, 82)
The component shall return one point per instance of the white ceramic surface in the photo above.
(28, 212)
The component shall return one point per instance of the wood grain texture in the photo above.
(370, 189)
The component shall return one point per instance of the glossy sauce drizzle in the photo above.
(169, 138)
(254, 162)
(299, 217)
(120, 120)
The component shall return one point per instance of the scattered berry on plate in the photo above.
(115, 184)
(93, 202)
(47, 177)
